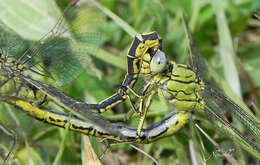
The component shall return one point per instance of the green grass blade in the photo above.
(28, 18)
(226, 49)
(117, 19)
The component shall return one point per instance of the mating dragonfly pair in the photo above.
(180, 84)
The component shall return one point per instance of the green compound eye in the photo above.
(158, 62)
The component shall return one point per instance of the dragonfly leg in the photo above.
(144, 110)
(43, 101)
(129, 115)
(147, 89)
(133, 92)
(133, 109)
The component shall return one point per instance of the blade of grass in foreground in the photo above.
(226, 49)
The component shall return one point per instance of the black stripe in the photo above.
(184, 82)
(152, 36)
(186, 67)
(177, 91)
(160, 44)
(134, 45)
(162, 132)
(174, 98)
(130, 65)
(111, 100)
(128, 80)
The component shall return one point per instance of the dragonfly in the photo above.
(64, 53)
(17, 87)
(188, 89)
(202, 96)
(60, 55)
(78, 105)
(67, 45)
(29, 95)
(216, 104)
(96, 125)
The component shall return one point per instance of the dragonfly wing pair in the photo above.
(64, 52)
(219, 106)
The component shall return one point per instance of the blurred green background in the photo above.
(226, 32)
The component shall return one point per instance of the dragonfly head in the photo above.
(154, 62)
(158, 62)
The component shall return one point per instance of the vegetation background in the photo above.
(227, 34)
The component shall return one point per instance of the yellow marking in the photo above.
(183, 75)
(174, 124)
(20, 67)
(182, 119)
(152, 43)
(132, 83)
(201, 105)
(166, 94)
(135, 67)
(176, 86)
(163, 79)
(34, 111)
(184, 105)
(145, 71)
(140, 50)
(147, 57)
(145, 64)
(110, 106)
(147, 33)
(182, 96)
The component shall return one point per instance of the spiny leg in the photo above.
(133, 108)
(146, 90)
(144, 112)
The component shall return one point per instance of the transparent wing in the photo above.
(227, 106)
(72, 105)
(219, 106)
(10, 42)
(246, 131)
(63, 53)
(219, 121)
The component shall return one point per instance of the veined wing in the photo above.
(31, 96)
(64, 52)
(62, 55)
(227, 106)
(218, 106)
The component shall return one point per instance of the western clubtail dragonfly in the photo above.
(168, 125)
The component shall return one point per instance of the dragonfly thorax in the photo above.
(179, 84)
(10, 65)
(12, 85)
